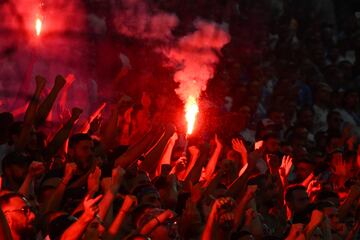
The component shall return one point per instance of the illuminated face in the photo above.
(20, 217)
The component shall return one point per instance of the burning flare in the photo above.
(191, 110)
(38, 25)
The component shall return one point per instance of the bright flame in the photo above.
(191, 110)
(38, 25)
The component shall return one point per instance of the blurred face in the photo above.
(245, 113)
(278, 118)
(352, 100)
(83, 152)
(152, 198)
(17, 173)
(20, 217)
(303, 170)
(299, 202)
(324, 96)
(332, 214)
(335, 121)
(307, 118)
(272, 145)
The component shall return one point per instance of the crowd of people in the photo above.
(275, 153)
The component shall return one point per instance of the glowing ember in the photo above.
(191, 110)
(38, 25)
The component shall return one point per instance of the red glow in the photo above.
(191, 110)
(38, 25)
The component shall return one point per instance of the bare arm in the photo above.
(152, 158)
(56, 198)
(119, 219)
(347, 205)
(106, 202)
(96, 115)
(111, 126)
(210, 167)
(135, 151)
(35, 170)
(45, 107)
(166, 156)
(62, 135)
(78, 228)
(195, 172)
(30, 114)
(241, 182)
(125, 128)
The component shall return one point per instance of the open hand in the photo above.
(239, 146)
(286, 166)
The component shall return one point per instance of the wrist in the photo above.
(86, 219)
(29, 177)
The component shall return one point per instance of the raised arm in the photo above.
(93, 124)
(56, 198)
(135, 151)
(30, 114)
(241, 182)
(152, 158)
(211, 227)
(119, 219)
(316, 219)
(106, 202)
(210, 167)
(166, 156)
(62, 135)
(124, 138)
(35, 170)
(195, 172)
(348, 203)
(109, 134)
(194, 155)
(78, 228)
(46, 105)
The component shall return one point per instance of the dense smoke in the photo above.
(195, 57)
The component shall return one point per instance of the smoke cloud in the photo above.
(136, 19)
(195, 57)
